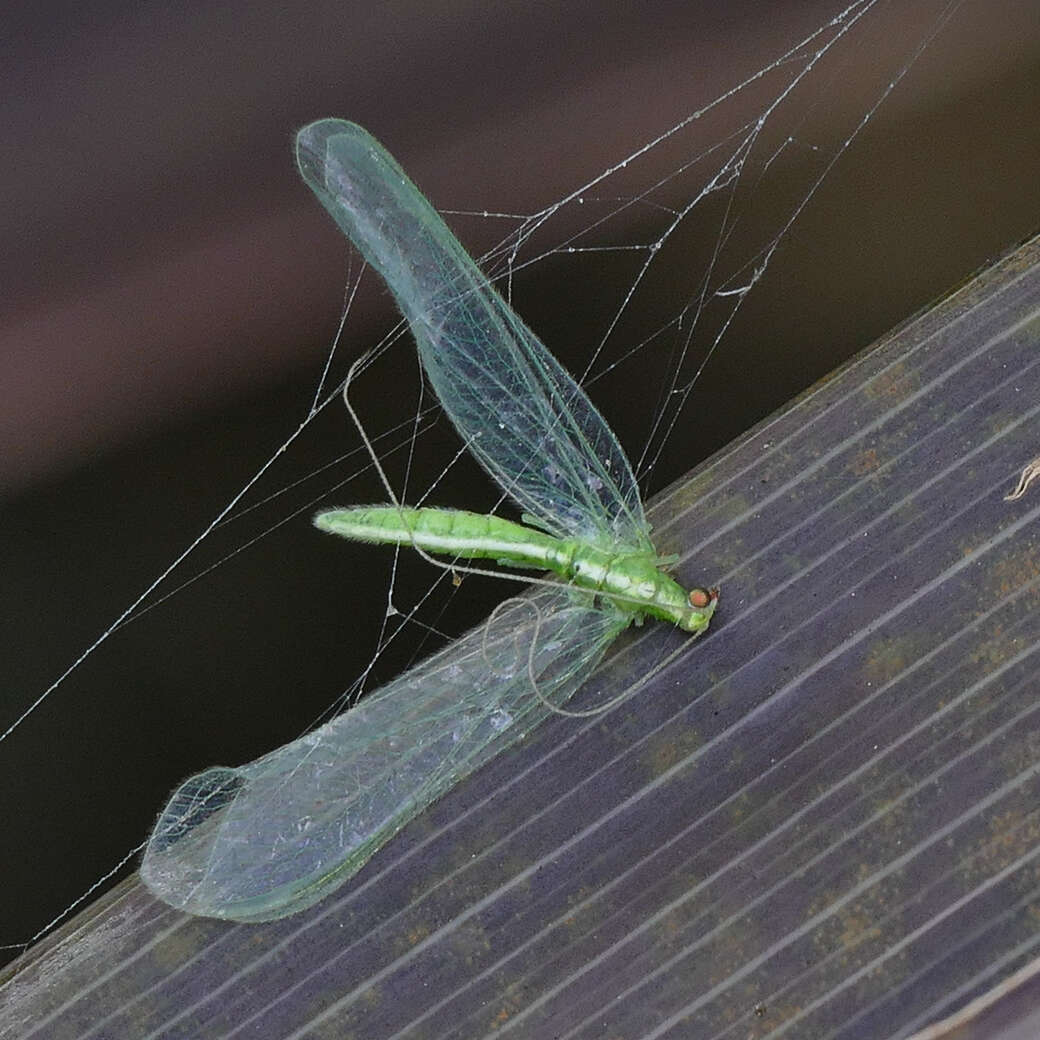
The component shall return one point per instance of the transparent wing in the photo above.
(272, 837)
(523, 417)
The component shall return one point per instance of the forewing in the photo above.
(270, 838)
(524, 418)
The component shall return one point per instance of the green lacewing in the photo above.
(267, 839)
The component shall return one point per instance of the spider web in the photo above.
(644, 276)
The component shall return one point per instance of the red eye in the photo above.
(700, 598)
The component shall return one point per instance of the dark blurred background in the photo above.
(170, 291)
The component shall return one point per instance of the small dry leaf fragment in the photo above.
(1029, 474)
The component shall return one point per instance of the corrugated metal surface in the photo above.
(822, 819)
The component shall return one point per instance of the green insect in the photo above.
(267, 839)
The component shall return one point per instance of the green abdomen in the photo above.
(450, 532)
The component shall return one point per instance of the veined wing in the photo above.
(519, 411)
(270, 838)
